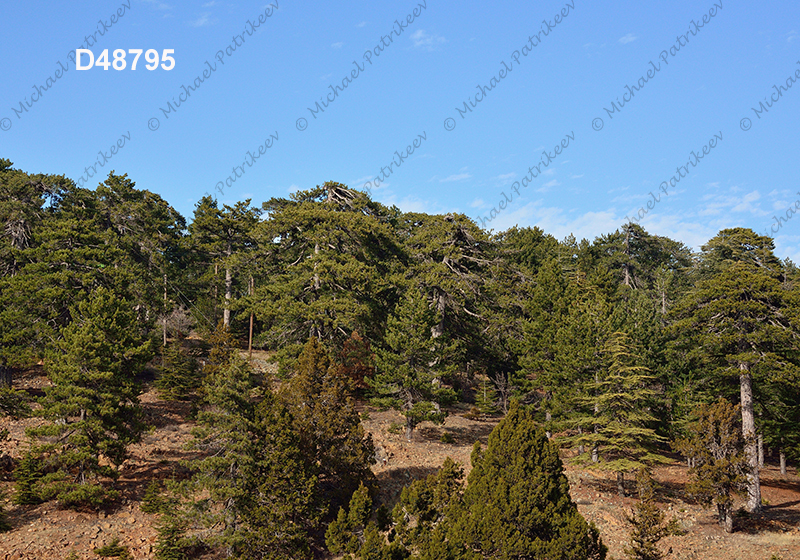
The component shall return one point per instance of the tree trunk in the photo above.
(725, 517)
(760, 451)
(783, 463)
(6, 378)
(409, 428)
(595, 454)
(749, 432)
(226, 317)
(250, 336)
(621, 484)
(548, 418)
(581, 448)
(164, 332)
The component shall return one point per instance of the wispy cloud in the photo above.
(425, 40)
(338, 45)
(629, 38)
(158, 5)
(361, 24)
(202, 20)
(458, 177)
(210, 4)
(478, 203)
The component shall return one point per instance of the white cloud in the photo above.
(506, 176)
(159, 5)
(629, 38)
(423, 39)
(338, 45)
(458, 177)
(478, 203)
(203, 20)
(361, 24)
(575, 176)
(210, 4)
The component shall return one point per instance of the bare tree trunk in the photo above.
(226, 316)
(581, 448)
(409, 428)
(621, 484)
(548, 418)
(749, 432)
(164, 331)
(760, 451)
(725, 517)
(250, 337)
(783, 463)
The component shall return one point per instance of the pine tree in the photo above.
(252, 493)
(412, 365)
(716, 446)
(620, 426)
(649, 522)
(486, 398)
(26, 475)
(738, 325)
(93, 403)
(179, 377)
(331, 435)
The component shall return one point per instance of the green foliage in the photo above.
(517, 501)
(486, 398)
(26, 475)
(716, 446)
(13, 403)
(330, 431)
(619, 424)
(412, 365)
(649, 522)
(171, 543)
(179, 377)
(92, 405)
(252, 491)
(344, 532)
(155, 500)
(447, 437)
(113, 550)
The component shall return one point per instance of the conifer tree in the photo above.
(252, 492)
(179, 377)
(92, 405)
(486, 397)
(517, 502)
(649, 522)
(717, 447)
(621, 418)
(738, 324)
(413, 363)
(327, 423)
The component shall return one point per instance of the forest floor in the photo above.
(44, 532)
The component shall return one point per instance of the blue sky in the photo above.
(563, 77)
